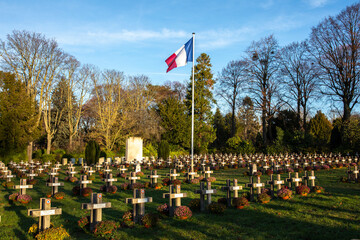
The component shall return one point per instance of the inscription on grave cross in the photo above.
(153, 177)
(309, 180)
(205, 191)
(275, 183)
(294, 180)
(235, 188)
(172, 174)
(54, 184)
(258, 186)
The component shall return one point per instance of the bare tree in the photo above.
(299, 77)
(231, 81)
(31, 57)
(263, 64)
(77, 83)
(335, 44)
(110, 98)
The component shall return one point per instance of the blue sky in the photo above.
(137, 36)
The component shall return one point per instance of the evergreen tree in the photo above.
(222, 135)
(320, 129)
(248, 125)
(17, 116)
(204, 133)
(175, 122)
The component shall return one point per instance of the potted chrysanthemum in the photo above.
(240, 202)
(284, 193)
(182, 212)
(302, 190)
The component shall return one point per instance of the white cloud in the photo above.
(316, 3)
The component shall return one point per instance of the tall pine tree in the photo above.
(204, 133)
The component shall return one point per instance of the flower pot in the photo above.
(240, 207)
(146, 226)
(48, 195)
(157, 188)
(304, 194)
(86, 194)
(264, 202)
(113, 192)
(183, 218)
(59, 198)
(318, 191)
(285, 198)
(24, 202)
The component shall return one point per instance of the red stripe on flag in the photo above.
(171, 62)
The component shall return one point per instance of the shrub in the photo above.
(76, 190)
(92, 152)
(194, 181)
(53, 233)
(137, 186)
(111, 189)
(302, 189)
(176, 182)
(150, 219)
(104, 228)
(216, 208)
(124, 186)
(163, 209)
(182, 212)
(211, 179)
(84, 222)
(222, 201)
(241, 201)
(24, 198)
(284, 192)
(59, 195)
(48, 158)
(163, 150)
(13, 197)
(166, 181)
(263, 197)
(194, 204)
(128, 216)
(86, 192)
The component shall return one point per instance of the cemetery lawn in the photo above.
(334, 214)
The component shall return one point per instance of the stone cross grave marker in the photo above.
(31, 174)
(252, 169)
(90, 171)
(190, 175)
(107, 169)
(207, 172)
(172, 174)
(53, 172)
(255, 185)
(54, 184)
(205, 191)
(84, 181)
(71, 171)
(132, 178)
(138, 168)
(122, 169)
(294, 181)
(275, 183)
(7, 175)
(354, 173)
(174, 196)
(109, 180)
(95, 208)
(44, 213)
(309, 180)
(153, 177)
(98, 167)
(22, 186)
(235, 188)
(138, 202)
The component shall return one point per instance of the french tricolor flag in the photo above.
(181, 56)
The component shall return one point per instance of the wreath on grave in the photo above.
(150, 220)
(216, 208)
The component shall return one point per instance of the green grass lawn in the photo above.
(334, 214)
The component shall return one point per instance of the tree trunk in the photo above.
(299, 114)
(70, 142)
(29, 151)
(263, 119)
(304, 120)
(48, 146)
(233, 125)
(347, 111)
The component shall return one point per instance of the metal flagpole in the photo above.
(192, 107)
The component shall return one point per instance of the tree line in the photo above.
(50, 101)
